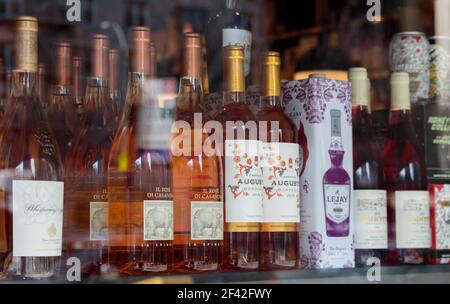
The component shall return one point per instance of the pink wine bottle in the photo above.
(336, 184)
(408, 200)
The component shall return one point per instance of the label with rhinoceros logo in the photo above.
(158, 220)
(206, 221)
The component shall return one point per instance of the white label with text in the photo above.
(370, 219)
(243, 182)
(37, 218)
(412, 219)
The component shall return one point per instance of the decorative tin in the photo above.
(409, 52)
(440, 67)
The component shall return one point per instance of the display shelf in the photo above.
(427, 274)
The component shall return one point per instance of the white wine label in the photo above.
(158, 220)
(37, 218)
(242, 38)
(370, 219)
(281, 182)
(337, 202)
(206, 221)
(98, 221)
(412, 219)
(243, 182)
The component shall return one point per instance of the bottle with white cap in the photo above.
(405, 172)
(370, 205)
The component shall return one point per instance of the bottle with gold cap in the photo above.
(198, 205)
(139, 178)
(404, 168)
(369, 195)
(243, 191)
(62, 114)
(113, 82)
(281, 180)
(86, 195)
(31, 191)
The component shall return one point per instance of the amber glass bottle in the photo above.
(86, 216)
(281, 180)
(31, 198)
(139, 179)
(242, 187)
(198, 205)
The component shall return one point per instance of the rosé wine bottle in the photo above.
(404, 167)
(336, 184)
(369, 195)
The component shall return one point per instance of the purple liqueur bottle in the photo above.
(336, 184)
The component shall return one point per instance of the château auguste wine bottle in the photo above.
(409, 229)
(243, 189)
(280, 162)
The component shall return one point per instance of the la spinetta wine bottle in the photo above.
(404, 168)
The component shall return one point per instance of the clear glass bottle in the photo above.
(139, 178)
(369, 195)
(31, 194)
(86, 216)
(198, 205)
(281, 175)
(62, 114)
(409, 228)
(242, 187)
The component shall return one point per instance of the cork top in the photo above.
(63, 63)
(358, 78)
(400, 95)
(100, 46)
(27, 23)
(26, 44)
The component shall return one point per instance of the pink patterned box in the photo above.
(321, 110)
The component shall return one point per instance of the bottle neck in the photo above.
(96, 95)
(23, 83)
(136, 81)
(270, 102)
(233, 97)
(230, 4)
(190, 98)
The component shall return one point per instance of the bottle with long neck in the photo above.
(78, 99)
(61, 112)
(242, 187)
(337, 184)
(198, 205)
(113, 82)
(86, 216)
(404, 168)
(226, 27)
(281, 175)
(41, 90)
(139, 178)
(370, 206)
(31, 196)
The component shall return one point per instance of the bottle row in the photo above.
(150, 189)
